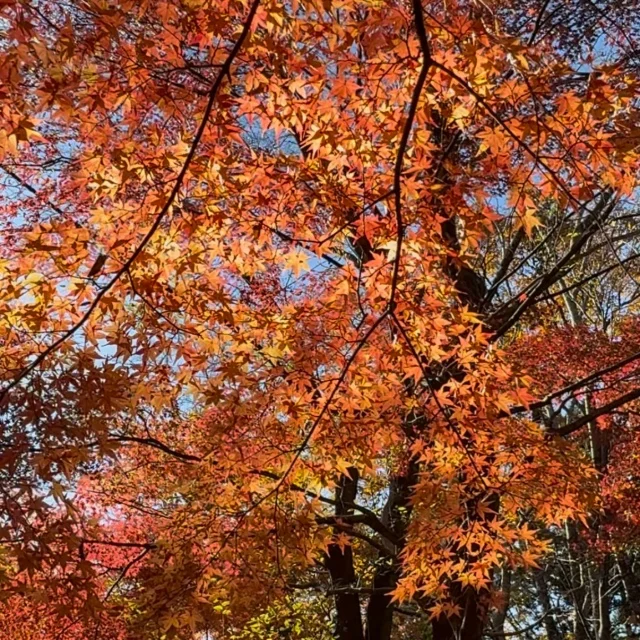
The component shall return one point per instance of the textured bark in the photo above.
(339, 562)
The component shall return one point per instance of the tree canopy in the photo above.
(319, 318)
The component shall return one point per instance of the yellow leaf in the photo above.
(297, 262)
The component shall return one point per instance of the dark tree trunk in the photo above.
(339, 562)
(469, 626)
(395, 516)
(379, 610)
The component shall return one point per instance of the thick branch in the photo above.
(600, 411)
(579, 384)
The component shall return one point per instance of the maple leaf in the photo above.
(297, 262)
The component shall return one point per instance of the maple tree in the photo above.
(297, 330)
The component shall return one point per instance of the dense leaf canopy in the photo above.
(318, 319)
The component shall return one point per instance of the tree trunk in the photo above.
(550, 623)
(339, 562)
(631, 591)
(469, 626)
(604, 600)
(500, 615)
(395, 516)
(578, 591)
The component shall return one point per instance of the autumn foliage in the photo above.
(318, 319)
